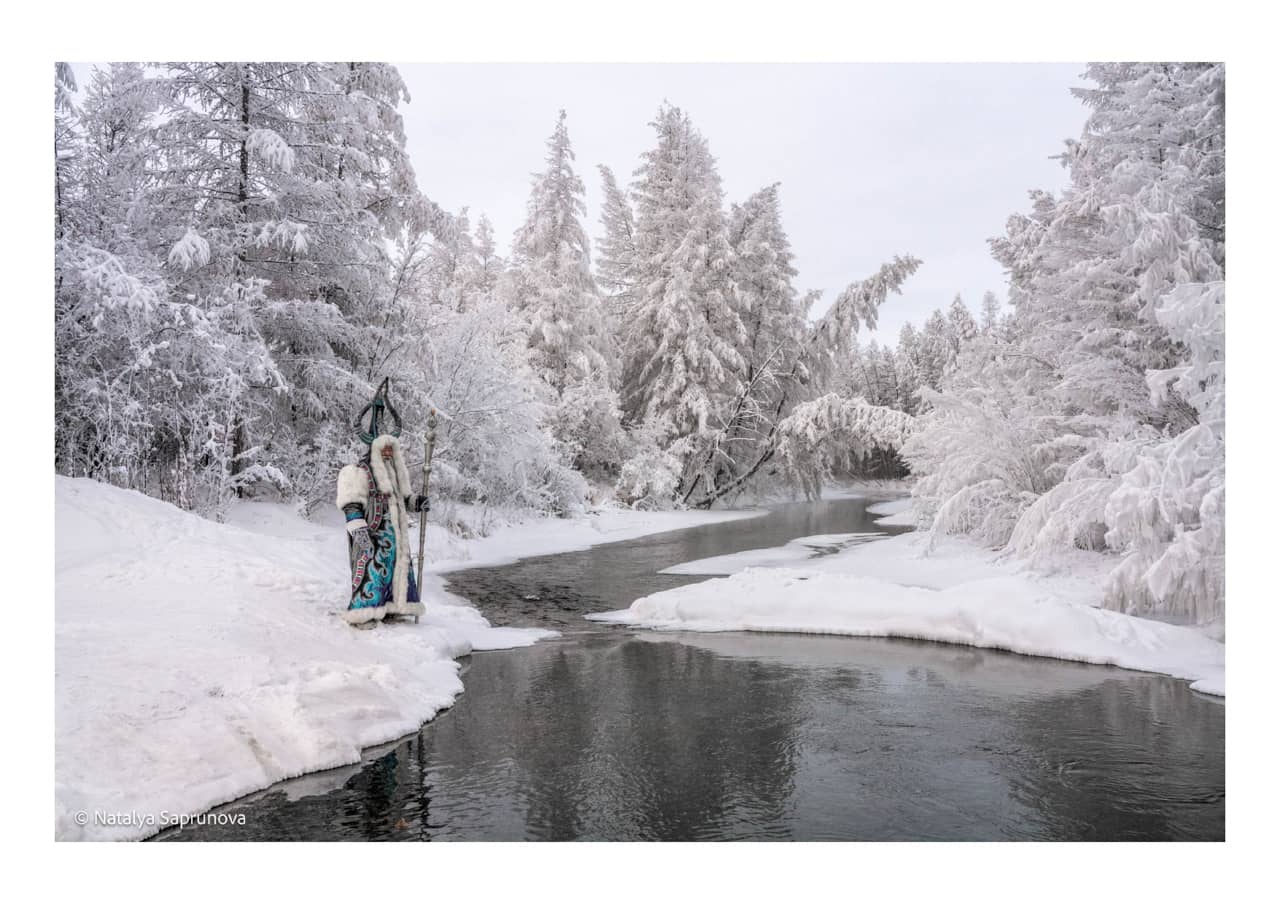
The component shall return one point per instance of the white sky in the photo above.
(874, 159)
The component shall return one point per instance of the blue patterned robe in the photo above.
(376, 496)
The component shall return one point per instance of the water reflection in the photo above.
(621, 735)
(711, 737)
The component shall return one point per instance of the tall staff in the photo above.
(428, 448)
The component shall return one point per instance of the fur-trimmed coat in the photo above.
(391, 477)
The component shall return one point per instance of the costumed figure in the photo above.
(376, 499)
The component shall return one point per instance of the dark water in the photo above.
(614, 734)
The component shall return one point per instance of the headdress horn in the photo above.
(377, 410)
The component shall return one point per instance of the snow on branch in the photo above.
(271, 149)
(829, 429)
(190, 252)
(860, 303)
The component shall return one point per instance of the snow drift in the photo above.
(197, 662)
(956, 595)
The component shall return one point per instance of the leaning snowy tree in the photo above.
(817, 434)
(616, 257)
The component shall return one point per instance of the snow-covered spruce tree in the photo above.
(991, 313)
(937, 349)
(961, 325)
(453, 274)
(683, 341)
(616, 248)
(489, 265)
(773, 316)
(909, 364)
(680, 330)
(554, 295)
(1104, 281)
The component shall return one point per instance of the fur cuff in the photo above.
(369, 613)
(355, 524)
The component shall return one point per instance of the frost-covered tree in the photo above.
(826, 343)
(227, 276)
(146, 378)
(937, 349)
(64, 142)
(453, 271)
(960, 325)
(489, 265)
(909, 364)
(554, 294)
(773, 347)
(683, 341)
(616, 247)
(1169, 513)
(494, 453)
(991, 311)
(772, 311)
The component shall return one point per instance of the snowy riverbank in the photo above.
(956, 593)
(197, 662)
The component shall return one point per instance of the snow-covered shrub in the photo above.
(980, 464)
(650, 475)
(1072, 515)
(587, 425)
(1168, 517)
(1168, 514)
(492, 446)
(822, 436)
(148, 386)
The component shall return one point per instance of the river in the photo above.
(611, 733)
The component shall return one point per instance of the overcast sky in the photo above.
(874, 159)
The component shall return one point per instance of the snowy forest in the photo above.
(243, 253)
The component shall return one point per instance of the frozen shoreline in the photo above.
(197, 662)
(958, 593)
